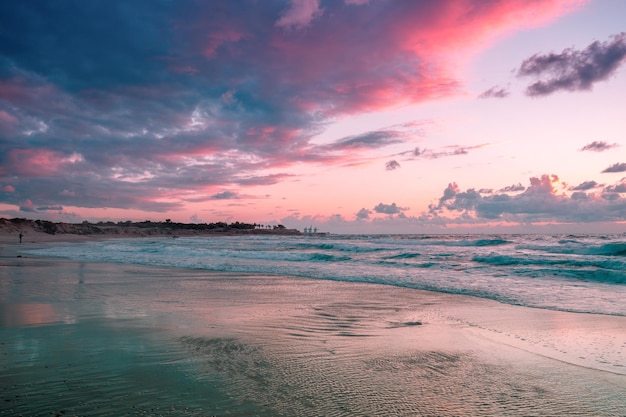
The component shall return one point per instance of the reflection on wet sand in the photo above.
(30, 314)
(90, 339)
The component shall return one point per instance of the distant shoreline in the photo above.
(33, 231)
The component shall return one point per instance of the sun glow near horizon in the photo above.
(374, 116)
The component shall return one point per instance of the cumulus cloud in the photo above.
(27, 206)
(451, 190)
(545, 204)
(617, 188)
(574, 70)
(617, 167)
(599, 146)
(543, 201)
(495, 92)
(388, 209)
(363, 214)
(455, 199)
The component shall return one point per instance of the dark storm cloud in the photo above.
(574, 70)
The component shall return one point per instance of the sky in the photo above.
(351, 116)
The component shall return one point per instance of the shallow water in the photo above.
(105, 340)
(570, 273)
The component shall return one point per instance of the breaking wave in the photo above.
(573, 273)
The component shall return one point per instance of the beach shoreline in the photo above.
(472, 312)
(294, 343)
(32, 231)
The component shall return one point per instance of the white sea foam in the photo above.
(571, 273)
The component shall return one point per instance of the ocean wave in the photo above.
(519, 269)
(508, 260)
(339, 247)
(455, 242)
(409, 265)
(611, 249)
(579, 248)
(323, 257)
(501, 260)
(488, 242)
(592, 275)
(405, 255)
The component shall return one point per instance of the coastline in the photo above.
(33, 231)
(295, 344)
(477, 314)
(33, 235)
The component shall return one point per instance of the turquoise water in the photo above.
(109, 338)
(570, 273)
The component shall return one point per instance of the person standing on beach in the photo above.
(21, 235)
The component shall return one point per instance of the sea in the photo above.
(288, 325)
(575, 273)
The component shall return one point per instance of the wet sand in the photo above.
(109, 340)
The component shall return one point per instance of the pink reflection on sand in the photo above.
(30, 314)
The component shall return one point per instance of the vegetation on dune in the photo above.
(146, 227)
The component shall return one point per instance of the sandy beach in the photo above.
(107, 339)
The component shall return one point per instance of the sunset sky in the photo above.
(356, 116)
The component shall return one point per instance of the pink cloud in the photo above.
(27, 205)
(8, 189)
(546, 200)
(217, 39)
(234, 93)
(400, 53)
(8, 122)
(20, 90)
(37, 162)
(399, 58)
(299, 14)
(67, 193)
(545, 184)
(7, 118)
